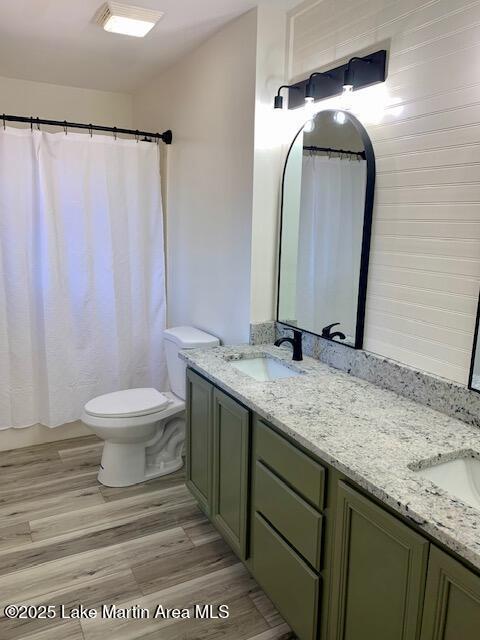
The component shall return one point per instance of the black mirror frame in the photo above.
(474, 349)
(366, 236)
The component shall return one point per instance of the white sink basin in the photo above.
(460, 477)
(264, 369)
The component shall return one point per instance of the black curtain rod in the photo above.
(166, 136)
(329, 150)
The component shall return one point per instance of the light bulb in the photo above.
(347, 97)
(340, 117)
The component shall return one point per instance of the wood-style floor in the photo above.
(67, 540)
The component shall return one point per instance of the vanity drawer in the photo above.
(286, 579)
(291, 516)
(302, 473)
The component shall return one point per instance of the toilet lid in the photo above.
(131, 402)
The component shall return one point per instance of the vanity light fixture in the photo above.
(356, 73)
(309, 87)
(126, 20)
(310, 100)
(278, 101)
(348, 81)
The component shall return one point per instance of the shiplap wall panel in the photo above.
(425, 258)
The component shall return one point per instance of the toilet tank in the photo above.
(183, 338)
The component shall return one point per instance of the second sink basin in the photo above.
(264, 369)
(460, 477)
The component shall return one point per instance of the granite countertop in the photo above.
(373, 436)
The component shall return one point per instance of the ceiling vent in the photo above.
(131, 21)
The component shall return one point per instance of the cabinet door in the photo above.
(230, 470)
(452, 600)
(199, 439)
(379, 572)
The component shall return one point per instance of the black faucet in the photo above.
(327, 332)
(296, 343)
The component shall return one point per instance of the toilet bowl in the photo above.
(144, 429)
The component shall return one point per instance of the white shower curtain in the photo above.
(82, 291)
(329, 246)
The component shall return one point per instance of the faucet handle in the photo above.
(326, 331)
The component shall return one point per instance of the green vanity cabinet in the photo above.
(379, 568)
(217, 459)
(336, 564)
(231, 425)
(287, 525)
(452, 601)
(199, 439)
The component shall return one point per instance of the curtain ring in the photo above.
(4, 124)
(115, 133)
(90, 130)
(31, 123)
(137, 135)
(38, 123)
(65, 127)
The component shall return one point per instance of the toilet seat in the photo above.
(122, 422)
(129, 403)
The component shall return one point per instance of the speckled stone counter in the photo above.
(373, 436)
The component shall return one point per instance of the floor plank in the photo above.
(183, 566)
(17, 535)
(113, 589)
(201, 532)
(23, 585)
(93, 450)
(70, 631)
(164, 482)
(45, 472)
(218, 587)
(53, 505)
(106, 514)
(144, 545)
(79, 541)
(282, 632)
(13, 494)
(244, 622)
(266, 608)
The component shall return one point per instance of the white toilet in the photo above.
(143, 429)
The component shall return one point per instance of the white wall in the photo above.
(425, 259)
(268, 159)
(24, 98)
(55, 102)
(208, 100)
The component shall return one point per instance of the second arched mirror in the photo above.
(326, 219)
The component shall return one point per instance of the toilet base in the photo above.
(127, 463)
(123, 465)
(167, 468)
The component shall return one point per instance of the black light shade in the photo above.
(278, 102)
(348, 76)
(348, 73)
(309, 89)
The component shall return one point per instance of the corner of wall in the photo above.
(270, 73)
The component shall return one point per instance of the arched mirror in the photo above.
(474, 379)
(326, 220)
